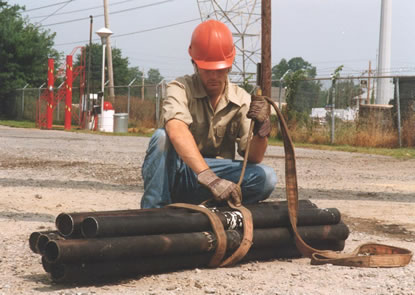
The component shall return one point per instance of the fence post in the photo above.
(280, 90)
(142, 88)
(23, 99)
(51, 81)
(334, 76)
(68, 94)
(128, 102)
(39, 110)
(398, 107)
(160, 93)
(58, 102)
(333, 99)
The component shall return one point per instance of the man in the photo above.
(192, 159)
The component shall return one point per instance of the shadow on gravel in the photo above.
(321, 194)
(375, 227)
(69, 184)
(27, 216)
(50, 286)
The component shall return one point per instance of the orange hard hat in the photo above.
(211, 47)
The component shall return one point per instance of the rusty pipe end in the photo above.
(46, 265)
(58, 272)
(41, 243)
(33, 241)
(52, 252)
(89, 227)
(65, 224)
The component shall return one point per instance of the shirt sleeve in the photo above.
(175, 106)
(245, 124)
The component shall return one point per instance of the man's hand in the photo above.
(259, 111)
(222, 189)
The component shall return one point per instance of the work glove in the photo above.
(221, 189)
(259, 111)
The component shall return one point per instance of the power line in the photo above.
(55, 11)
(115, 12)
(156, 28)
(47, 6)
(84, 9)
(133, 33)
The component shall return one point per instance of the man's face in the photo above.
(214, 81)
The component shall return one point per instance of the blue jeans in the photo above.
(167, 179)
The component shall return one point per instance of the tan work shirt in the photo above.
(215, 131)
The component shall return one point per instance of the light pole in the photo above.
(281, 81)
(103, 33)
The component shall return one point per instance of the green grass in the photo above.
(19, 124)
(402, 153)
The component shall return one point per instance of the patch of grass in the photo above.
(18, 124)
(400, 153)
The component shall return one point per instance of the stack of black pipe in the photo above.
(114, 244)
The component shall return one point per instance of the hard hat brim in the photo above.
(214, 65)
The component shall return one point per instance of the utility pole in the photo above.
(88, 80)
(266, 47)
(368, 83)
(109, 52)
(384, 91)
(142, 87)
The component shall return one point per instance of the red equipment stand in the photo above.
(48, 101)
(68, 100)
(51, 80)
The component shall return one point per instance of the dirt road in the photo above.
(43, 173)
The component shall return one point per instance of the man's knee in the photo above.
(270, 179)
(159, 141)
(261, 183)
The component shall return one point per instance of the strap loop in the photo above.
(220, 233)
(367, 255)
(217, 227)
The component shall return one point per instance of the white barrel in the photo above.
(106, 121)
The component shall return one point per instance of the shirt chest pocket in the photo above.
(231, 130)
(199, 130)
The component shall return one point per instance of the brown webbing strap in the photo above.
(247, 237)
(367, 255)
(218, 230)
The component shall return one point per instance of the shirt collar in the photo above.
(229, 95)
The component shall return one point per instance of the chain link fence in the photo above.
(343, 111)
(317, 110)
(142, 103)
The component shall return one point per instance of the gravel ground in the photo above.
(44, 173)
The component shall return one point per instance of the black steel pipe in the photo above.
(69, 224)
(34, 239)
(130, 247)
(45, 238)
(91, 272)
(263, 217)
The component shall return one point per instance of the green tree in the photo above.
(153, 76)
(345, 91)
(123, 74)
(24, 51)
(301, 94)
(294, 64)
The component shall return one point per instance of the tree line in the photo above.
(25, 49)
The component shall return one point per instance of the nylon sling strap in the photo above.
(366, 255)
(217, 227)
(219, 231)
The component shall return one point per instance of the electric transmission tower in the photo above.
(243, 17)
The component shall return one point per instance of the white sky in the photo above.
(326, 33)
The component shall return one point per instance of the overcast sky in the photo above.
(326, 33)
